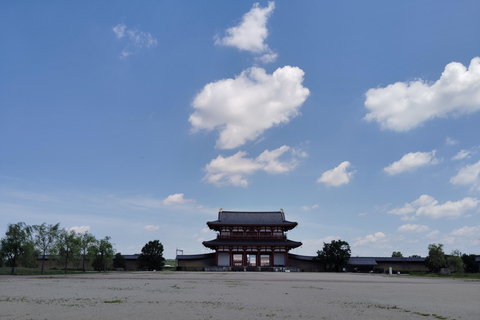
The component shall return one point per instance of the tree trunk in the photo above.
(43, 260)
(66, 261)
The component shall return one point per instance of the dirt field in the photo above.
(200, 295)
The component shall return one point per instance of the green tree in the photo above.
(471, 266)
(151, 257)
(334, 254)
(29, 258)
(87, 241)
(436, 257)
(397, 254)
(102, 254)
(119, 261)
(67, 247)
(16, 242)
(455, 262)
(45, 236)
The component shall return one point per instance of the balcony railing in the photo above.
(248, 236)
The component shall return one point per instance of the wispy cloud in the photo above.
(411, 161)
(134, 39)
(427, 206)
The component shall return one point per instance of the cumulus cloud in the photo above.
(337, 176)
(468, 175)
(79, 229)
(242, 108)
(251, 33)
(413, 228)
(411, 161)
(176, 199)
(234, 170)
(403, 106)
(427, 206)
(151, 228)
(378, 239)
(134, 39)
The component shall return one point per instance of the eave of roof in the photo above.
(252, 242)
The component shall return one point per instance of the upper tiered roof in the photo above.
(250, 219)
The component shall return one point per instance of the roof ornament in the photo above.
(220, 210)
(281, 210)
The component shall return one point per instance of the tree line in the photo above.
(23, 245)
(336, 254)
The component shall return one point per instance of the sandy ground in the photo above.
(201, 295)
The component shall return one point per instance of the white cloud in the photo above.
(467, 232)
(468, 175)
(251, 33)
(151, 228)
(234, 170)
(176, 199)
(427, 206)
(451, 142)
(411, 161)
(313, 245)
(378, 238)
(462, 154)
(205, 230)
(135, 39)
(403, 106)
(242, 108)
(465, 237)
(79, 229)
(143, 203)
(337, 176)
(433, 234)
(413, 228)
(307, 208)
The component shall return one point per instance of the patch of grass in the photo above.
(38, 271)
(113, 301)
(422, 314)
(438, 317)
(175, 286)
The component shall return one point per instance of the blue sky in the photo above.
(139, 121)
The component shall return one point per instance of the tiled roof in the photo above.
(242, 218)
(252, 242)
(195, 256)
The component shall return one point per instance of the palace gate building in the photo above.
(251, 239)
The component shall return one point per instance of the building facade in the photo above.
(251, 239)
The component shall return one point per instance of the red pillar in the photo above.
(272, 261)
(286, 258)
(216, 257)
(231, 258)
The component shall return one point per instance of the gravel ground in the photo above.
(237, 295)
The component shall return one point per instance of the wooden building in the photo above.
(251, 239)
